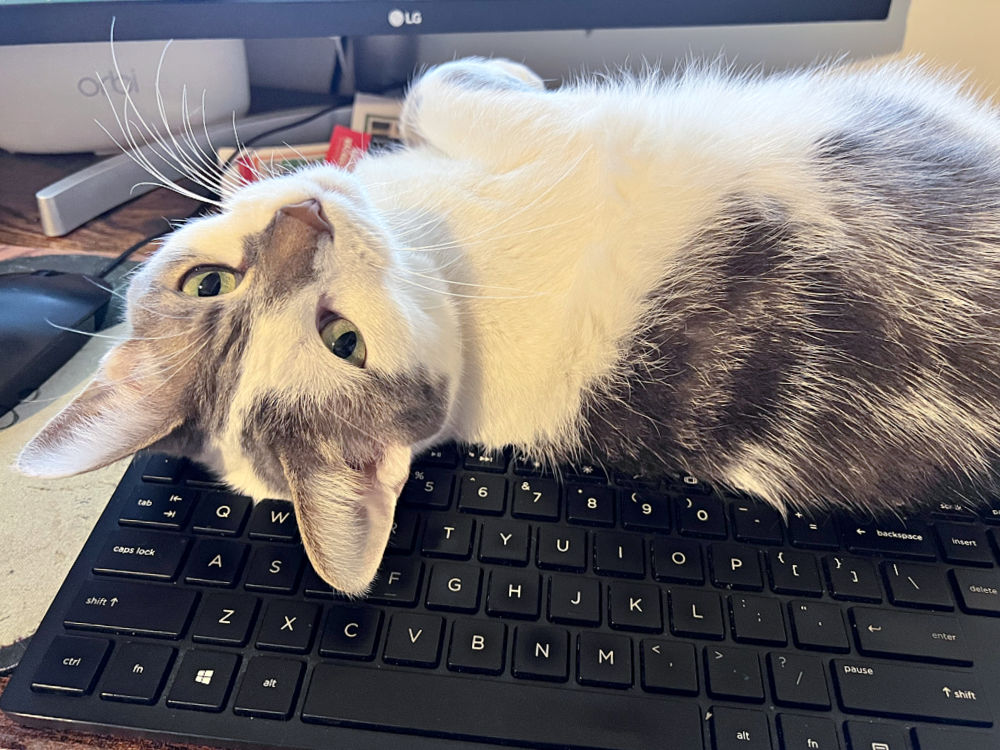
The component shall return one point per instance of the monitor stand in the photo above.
(84, 195)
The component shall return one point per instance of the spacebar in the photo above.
(483, 709)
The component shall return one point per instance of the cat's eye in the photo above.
(209, 281)
(344, 339)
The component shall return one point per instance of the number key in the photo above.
(701, 516)
(480, 493)
(645, 511)
(593, 506)
(536, 499)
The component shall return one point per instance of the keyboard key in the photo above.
(342, 695)
(684, 483)
(584, 470)
(757, 619)
(590, 505)
(351, 632)
(911, 635)
(203, 680)
(917, 585)
(274, 520)
(677, 561)
(739, 729)
(669, 667)
(274, 569)
(735, 566)
(413, 640)
(621, 555)
(225, 619)
(215, 562)
(733, 673)
(513, 593)
(978, 591)
(808, 733)
(962, 544)
(924, 693)
(949, 738)
(604, 660)
(127, 607)
(755, 521)
(454, 587)
(541, 653)
(477, 646)
(702, 516)
(287, 626)
(156, 507)
(504, 542)
(448, 537)
(269, 688)
(876, 735)
(852, 578)
(198, 475)
(535, 499)
(427, 488)
(574, 600)
(397, 582)
(440, 455)
(221, 513)
(404, 532)
(798, 680)
(482, 493)
(794, 573)
(645, 510)
(562, 549)
(141, 554)
(891, 537)
(136, 673)
(70, 665)
(163, 469)
(819, 626)
(634, 606)
(813, 530)
(526, 466)
(697, 614)
(477, 457)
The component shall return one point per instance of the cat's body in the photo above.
(790, 286)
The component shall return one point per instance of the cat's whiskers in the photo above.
(447, 293)
(189, 166)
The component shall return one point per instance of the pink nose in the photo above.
(309, 212)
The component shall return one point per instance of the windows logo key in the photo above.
(204, 676)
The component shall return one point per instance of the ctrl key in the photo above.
(70, 666)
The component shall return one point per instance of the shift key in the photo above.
(133, 608)
(867, 687)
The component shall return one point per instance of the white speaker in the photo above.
(52, 94)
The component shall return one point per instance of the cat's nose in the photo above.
(309, 212)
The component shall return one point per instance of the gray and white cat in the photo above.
(787, 285)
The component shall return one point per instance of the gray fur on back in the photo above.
(854, 362)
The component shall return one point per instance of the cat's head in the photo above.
(281, 343)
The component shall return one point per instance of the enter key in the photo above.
(910, 635)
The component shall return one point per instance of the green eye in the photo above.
(209, 282)
(344, 339)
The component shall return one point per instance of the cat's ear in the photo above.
(345, 515)
(126, 407)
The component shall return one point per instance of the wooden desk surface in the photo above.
(20, 228)
(108, 235)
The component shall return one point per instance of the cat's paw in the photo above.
(431, 94)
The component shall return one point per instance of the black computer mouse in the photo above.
(35, 308)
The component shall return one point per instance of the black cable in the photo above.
(128, 252)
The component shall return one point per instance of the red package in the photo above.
(347, 146)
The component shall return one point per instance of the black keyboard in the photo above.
(514, 607)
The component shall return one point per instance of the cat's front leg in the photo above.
(455, 106)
